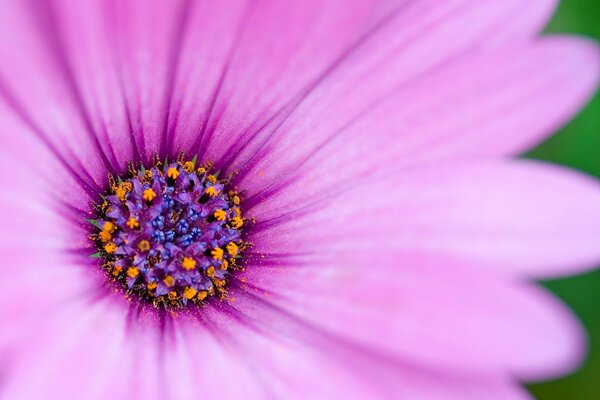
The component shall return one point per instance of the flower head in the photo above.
(286, 199)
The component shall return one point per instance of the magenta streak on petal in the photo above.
(201, 143)
(524, 59)
(173, 61)
(288, 109)
(229, 342)
(87, 185)
(262, 311)
(305, 209)
(133, 138)
(45, 20)
(357, 117)
(254, 158)
(236, 148)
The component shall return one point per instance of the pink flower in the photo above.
(367, 234)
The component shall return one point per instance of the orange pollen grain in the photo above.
(133, 223)
(237, 223)
(104, 236)
(110, 248)
(202, 295)
(169, 280)
(173, 173)
(189, 293)
(210, 272)
(144, 245)
(133, 272)
(188, 166)
(149, 195)
(188, 263)
(232, 249)
(217, 253)
(220, 215)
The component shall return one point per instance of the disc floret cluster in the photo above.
(170, 235)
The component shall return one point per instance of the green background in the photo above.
(577, 146)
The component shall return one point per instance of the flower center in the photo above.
(170, 235)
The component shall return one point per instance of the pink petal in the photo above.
(89, 353)
(272, 363)
(73, 355)
(38, 86)
(520, 218)
(122, 55)
(38, 238)
(428, 312)
(258, 56)
(469, 108)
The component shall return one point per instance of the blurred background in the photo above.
(577, 146)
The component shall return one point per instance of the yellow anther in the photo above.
(117, 270)
(122, 190)
(173, 295)
(202, 295)
(133, 272)
(152, 285)
(236, 200)
(211, 179)
(104, 236)
(220, 215)
(237, 223)
(188, 263)
(219, 283)
(169, 280)
(188, 166)
(210, 272)
(133, 223)
(201, 170)
(189, 293)
(121, 193)
(110, 248)
(149, 195)
(224, 265)
(236, 212)
(211, 191)
(232, 249)
(109, 227)
(144, 245)
(173, 173)
(217, 253)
